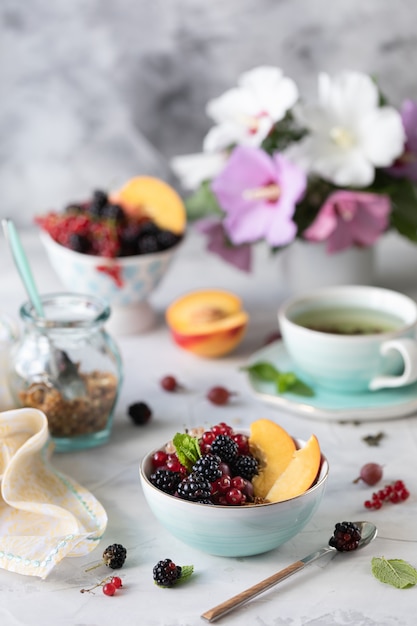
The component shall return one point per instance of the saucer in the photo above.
(331, 405)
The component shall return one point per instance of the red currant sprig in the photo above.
(395, 493)
(109, 585)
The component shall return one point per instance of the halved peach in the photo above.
(209, 323)
(299, 474)
(274, 448)
(146, 195)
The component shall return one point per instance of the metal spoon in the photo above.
(64, 371)
(368, 534)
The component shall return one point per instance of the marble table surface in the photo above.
(341, 591)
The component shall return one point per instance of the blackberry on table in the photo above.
(246, 466)
(208, 466)
(166, 573)
(114, 556)
(194, 488)
(346, 537)
(139, 413)
(225, 448)
(166, 480)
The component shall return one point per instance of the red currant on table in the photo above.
(219, 395)
(117, 582)
(371, 473)
(169, 383)
(109, 589)
(395, 493)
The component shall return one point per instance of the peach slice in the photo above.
(146, 195)
(274, 448)
(209, 323)
(300, 473)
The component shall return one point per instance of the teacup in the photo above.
(352, 338)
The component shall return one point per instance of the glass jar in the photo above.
(68, 366)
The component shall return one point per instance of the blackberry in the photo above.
(166, 480)
(79, 243)
(129, 239)
(149, 228)
(225, 448)
(208, 467)
(194, 488)
(346, 537)
(114, 556)
(166, 573)
(147, 244)
(246, 466)
(98, 203)
(166, 239)
(113, 212)
(140, 413)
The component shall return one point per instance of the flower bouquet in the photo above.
(341, 170)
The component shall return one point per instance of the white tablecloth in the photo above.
(342, 591)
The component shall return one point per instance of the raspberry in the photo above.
(346, 537)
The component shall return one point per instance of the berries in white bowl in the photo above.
(206, 491)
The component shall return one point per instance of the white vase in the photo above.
(307, 266)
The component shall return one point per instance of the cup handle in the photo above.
(408, 350)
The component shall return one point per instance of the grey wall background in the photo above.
(96, 91)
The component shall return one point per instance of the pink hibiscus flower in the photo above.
(259, 193)
(218, 243)
(350, 218)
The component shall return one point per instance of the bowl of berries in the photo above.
(233, 492)
(117, 246)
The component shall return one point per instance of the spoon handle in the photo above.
(22, 264)
(229, 605)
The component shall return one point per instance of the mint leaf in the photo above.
(284, 381)
(395, 572)
(186, 571)
(187, 449)
(263, 370)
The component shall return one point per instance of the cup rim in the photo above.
(315, 299)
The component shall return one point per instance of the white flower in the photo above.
(349, 133)
(246, 114)
(194, 169)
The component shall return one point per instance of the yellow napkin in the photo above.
(44, 515)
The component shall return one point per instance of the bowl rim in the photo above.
(318, 482)
(91, 259)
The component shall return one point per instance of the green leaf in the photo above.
(187, 449)
(395, 572)
(202, 203)
(263, 370)
(284, 381)
(186, 571)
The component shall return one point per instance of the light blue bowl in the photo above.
(233, 530)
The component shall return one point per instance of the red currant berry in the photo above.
(404, 494)
(219, 396)
(222, 484)
(242, 443)
(117, 582)
(234, 497)
(109, 589)
(169, 383)
(208, 437)
(173, 464)
(159, 458)
(221, 429)
(398, 485)
(238, 483)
